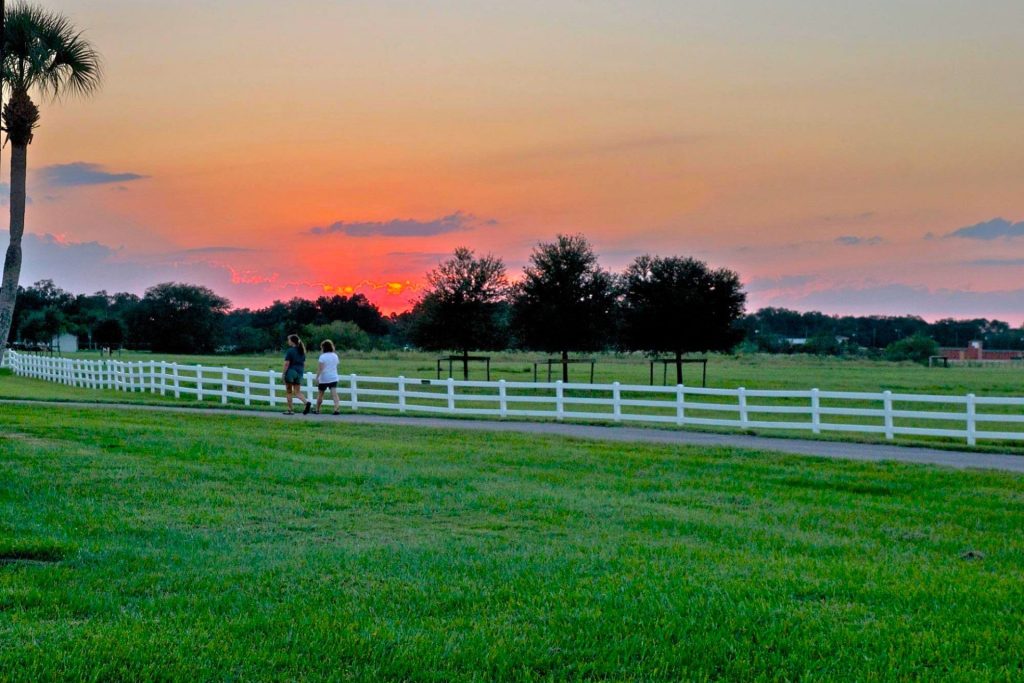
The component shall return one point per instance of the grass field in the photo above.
(758, 371)
(755, 372)
(206, 548)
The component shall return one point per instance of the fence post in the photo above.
(246, 388)
(972, 425)
(559, 400)
(451, 394)
(272, 387)
(616, 401)
(815, 411)
(199, 382)
(742, 396)
(354, 391)
(401, 393)
(152, 377)
(176, 381)
(311, 390)
(887, 404)
(224, 385)
(502, 398)
(680, 404)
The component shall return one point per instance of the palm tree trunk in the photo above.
(12, 263)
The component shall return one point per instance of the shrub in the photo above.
(345, 335)
(916, 348)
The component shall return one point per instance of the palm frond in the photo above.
(44, 50)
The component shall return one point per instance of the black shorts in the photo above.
(327, 385)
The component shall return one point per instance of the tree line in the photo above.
(563, 302)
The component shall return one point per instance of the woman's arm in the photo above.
(284, 370)
(319, 371)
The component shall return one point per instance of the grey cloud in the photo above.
(854, 240)
(456, 222)
(93, 266)
(776, 283)
(898, 299)
(990, 230)
(82, 173)
(996, 262)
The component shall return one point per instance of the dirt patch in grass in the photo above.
(31, 553)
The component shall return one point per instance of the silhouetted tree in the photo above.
(918, 348)
(679, 305)
(462, 309)
(178, 318)
(564, 301)
(109, 333)
(43, 53)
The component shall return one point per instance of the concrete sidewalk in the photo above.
(824, 449)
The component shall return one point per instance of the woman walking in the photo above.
(327, 376)
(294, 369)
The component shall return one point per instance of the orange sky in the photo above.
(824, 151)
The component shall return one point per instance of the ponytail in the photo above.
(294, 339)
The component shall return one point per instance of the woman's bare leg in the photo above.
(319, 400)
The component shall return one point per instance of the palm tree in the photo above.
(44, 53)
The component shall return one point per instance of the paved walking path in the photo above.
(825, 449)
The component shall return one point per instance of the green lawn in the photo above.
(19, 387)
(207, 548)
(759, 371)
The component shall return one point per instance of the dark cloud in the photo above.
(408, 227)
(990, 230)
(82, 173)
(855, 241)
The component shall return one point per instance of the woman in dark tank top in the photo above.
(294, 369)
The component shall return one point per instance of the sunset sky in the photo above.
(847, 157)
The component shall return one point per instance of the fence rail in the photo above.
(891, 414)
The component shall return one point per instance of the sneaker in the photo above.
(309, 406)
(336, 412)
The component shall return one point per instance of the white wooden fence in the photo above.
(967, 417)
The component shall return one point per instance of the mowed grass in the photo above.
(147, 546)
(12, 387)
(756, 371)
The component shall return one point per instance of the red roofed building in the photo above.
(976, 352)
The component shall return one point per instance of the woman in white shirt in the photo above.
(327, 375)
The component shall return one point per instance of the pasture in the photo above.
(786, 373)
(754, 371)
(199, 547)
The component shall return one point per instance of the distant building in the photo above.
(976, 351)
(65, 343)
